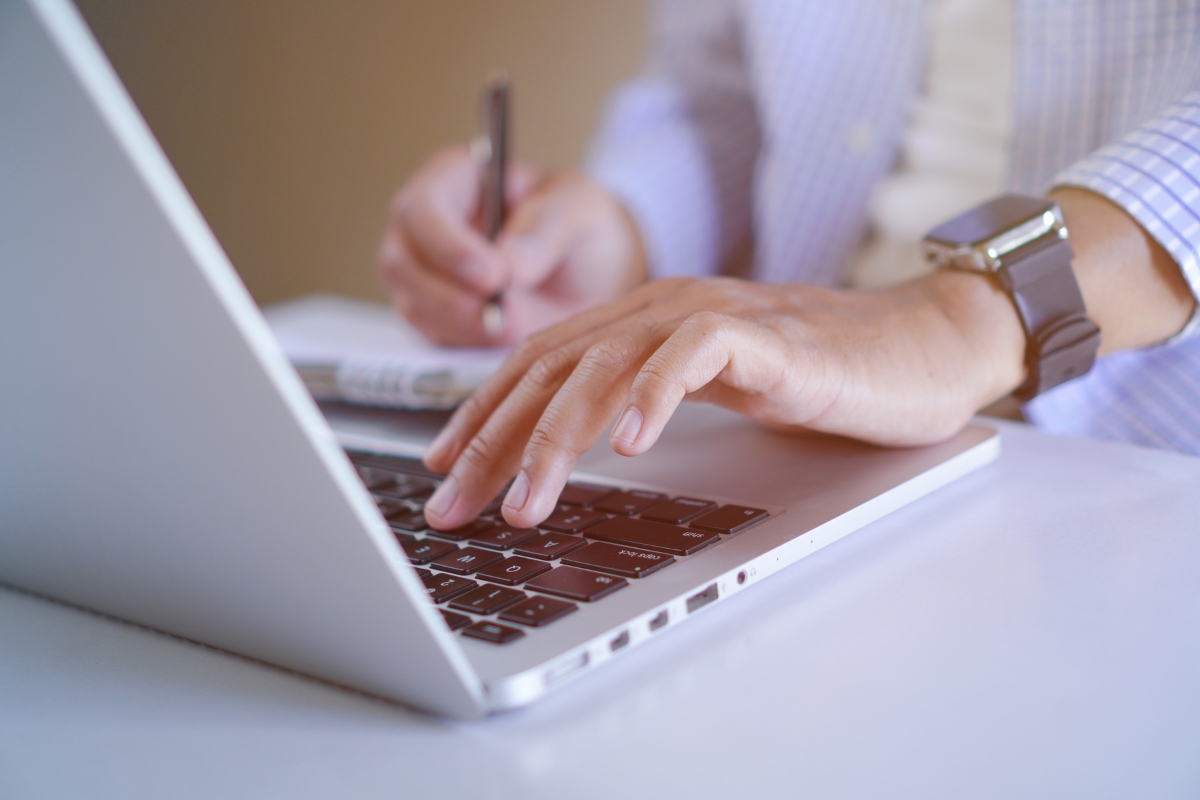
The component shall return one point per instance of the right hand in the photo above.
(566, 245)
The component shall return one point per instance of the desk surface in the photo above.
(1032, 630)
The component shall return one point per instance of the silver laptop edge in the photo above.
(69, 128)
(160, 461)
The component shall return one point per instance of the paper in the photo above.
(366, 353)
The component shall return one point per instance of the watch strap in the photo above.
(1061, 339)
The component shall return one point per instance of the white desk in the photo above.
(1030, 631)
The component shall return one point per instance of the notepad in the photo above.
(366, 353)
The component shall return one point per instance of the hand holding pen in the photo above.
(545, 246)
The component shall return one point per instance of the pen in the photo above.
(495, 116)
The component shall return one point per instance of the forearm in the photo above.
(1131, 286)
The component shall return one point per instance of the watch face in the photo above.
(989, 220)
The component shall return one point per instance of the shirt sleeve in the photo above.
(1154, 174)
(679, 143)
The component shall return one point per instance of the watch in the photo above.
(1023, 242)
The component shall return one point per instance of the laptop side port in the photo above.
(619, 642)
(702, 599)
(660, 620)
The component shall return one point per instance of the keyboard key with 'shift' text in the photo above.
(576, 584)
(653, 535)
(493, 632)
(512, 571)
(538, 611)
(729, 519)
(443, 587)
(549, 546)
(466, 560)
(487, 599)
(627, 562)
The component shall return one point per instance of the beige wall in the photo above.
(293, 122)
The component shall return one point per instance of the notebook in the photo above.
(161, 461)
(366, 353)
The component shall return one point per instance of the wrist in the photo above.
(988, 342)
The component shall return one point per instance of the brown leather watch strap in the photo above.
(1061, 339)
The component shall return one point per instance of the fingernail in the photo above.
(628, 426)
(443, 499)
(518, 493)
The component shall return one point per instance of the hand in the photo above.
(908, 365)
(567, 245)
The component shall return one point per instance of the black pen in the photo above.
(495, 134)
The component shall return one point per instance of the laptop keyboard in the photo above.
(495, 582)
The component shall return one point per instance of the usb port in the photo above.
(702, 599)
(660, 620)
(619, 642)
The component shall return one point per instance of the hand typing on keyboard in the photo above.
(598, 540)
(905, 365)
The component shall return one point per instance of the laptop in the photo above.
(161, 462)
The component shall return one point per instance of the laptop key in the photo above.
(465, 531)
(406, 519)
(583, 494)
(572, 520)
(576, 584)
(678, 510)
(487, 599)
(549, 546)
(503, 536)
(629, 503)
(466, 560)
(455, 621)
(423, 551)
(492, 509)
(652, 535)
(617, 560)
(493, 632)
(512, 571)
(406, 487)
(422, 573)
(375, 478)
(410, 466)
(538, 611)
(443, 587)
(729, 519)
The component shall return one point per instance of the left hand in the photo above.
(903, 366)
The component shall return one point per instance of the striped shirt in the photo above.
(760, 127)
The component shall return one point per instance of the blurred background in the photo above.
(293, 123)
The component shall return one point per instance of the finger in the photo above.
(439, 308)
(555, 412)
(740, 354)
(472, 414)
(492, 452)
(524, 179)
(573, 420)
(433, 214)
(535, 239)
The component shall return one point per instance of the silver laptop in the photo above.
(161, 462)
